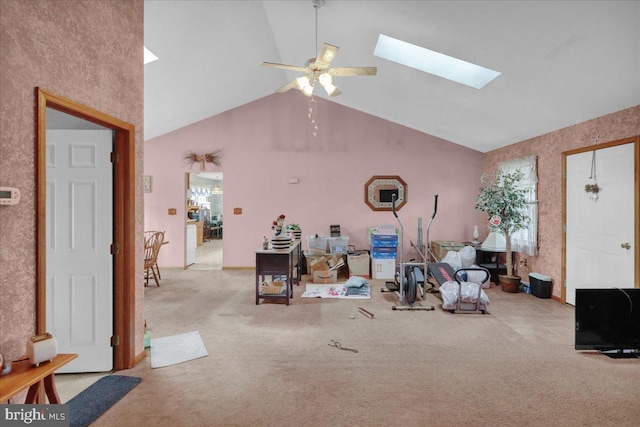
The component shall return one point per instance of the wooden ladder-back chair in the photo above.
(152, 243)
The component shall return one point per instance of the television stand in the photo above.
(622, 354)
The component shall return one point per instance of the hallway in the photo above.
(208, 256)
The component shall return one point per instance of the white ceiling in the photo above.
(562, 62)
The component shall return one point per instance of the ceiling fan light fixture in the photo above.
(302, 82)
(330, 88)
(325, 79)
(308, 89)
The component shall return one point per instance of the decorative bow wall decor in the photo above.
(213, 157)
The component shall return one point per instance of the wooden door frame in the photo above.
(636, 176)
(124, 297)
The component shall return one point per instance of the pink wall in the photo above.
(87, 51)
(549, 149)
(268, 141)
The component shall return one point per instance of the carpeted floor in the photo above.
(271, 365)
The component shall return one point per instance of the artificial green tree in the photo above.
(504, 201)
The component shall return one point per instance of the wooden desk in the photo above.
(278, 262)
(23, 374)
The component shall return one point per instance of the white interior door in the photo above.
(79, 235)
(598, 232)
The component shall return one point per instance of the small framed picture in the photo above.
(146, 186)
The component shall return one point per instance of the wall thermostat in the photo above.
(9, 196)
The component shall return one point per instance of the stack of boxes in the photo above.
(325, 256)
(384, 249)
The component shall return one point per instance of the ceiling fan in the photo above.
(318, 69)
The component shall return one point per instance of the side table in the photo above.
(23, 374)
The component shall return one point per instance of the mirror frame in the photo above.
(380, 182)
(124, 259)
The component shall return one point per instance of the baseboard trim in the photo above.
(140, 357)
(237, 268)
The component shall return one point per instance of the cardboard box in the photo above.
(379, 253)
(318, 264)
(383, 240)
(309, 257)
(325, 276)
(383, 229)
(383, 268)
(335, 261)
(441, 247)
(359, 264)
(325, 263)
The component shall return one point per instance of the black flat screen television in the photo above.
(608, 320)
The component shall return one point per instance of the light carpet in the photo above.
(272, 365)
(176, 349)
(336, 290)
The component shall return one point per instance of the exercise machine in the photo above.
(408, 275)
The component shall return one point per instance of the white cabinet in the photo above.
(191, 244)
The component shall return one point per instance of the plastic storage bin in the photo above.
(540, 285)
(338, 245)
(317, 244)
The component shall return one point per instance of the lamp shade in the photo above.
(495, 241)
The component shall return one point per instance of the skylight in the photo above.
(149, 56)
(433, 62)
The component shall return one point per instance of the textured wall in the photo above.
(87, 51)
(269, 140)
(549, 149)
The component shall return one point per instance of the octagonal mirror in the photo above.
(379, 191)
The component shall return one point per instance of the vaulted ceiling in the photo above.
(561, 62)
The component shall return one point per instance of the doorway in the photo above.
(123, 243)
(205, 191)
(601, 225)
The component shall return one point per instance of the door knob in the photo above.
(626, 246)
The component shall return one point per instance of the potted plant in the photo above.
(295, 230)
(504, 202)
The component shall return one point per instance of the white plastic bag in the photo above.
(468, 256)
(453, 259)
(449, 293)
(476, 276)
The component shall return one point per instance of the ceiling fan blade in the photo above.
(327, 53)
(290, 85)
(285, 67)
(353, 71)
